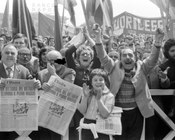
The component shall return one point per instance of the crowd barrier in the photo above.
(168, 121)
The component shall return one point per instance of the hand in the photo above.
(159, 36)
(36, 66)
(46, 87)
(86, 90)
(51, 69)
(99, 94)
(96, 30)
(37, 84)
(163, 74)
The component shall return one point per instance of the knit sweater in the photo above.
(116, 73)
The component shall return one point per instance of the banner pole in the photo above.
(104, 13)
(85, 15)
(62, 17)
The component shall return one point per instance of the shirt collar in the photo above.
(13, 68)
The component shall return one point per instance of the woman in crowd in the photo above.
(42, 58)
(86, 60)
(97, 100)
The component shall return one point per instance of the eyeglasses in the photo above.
(24, 54)
(113, 56)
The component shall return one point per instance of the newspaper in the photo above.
(112, 125)
(56, 107)
(18, 105)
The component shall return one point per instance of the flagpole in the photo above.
(104, 13)
(5, 20)
(26, 25)
(63, 17)
(19, 16)
(85, 15)
(57, 34)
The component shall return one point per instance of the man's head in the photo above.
(114, 55)
(129, 39)
(24, 56)
(20, 41)
(9, 55)
(169, 49)
(127, 58)
(52, 56)
(51, 41)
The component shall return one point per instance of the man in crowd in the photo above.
(10, 69)
(128, 84)
(55, 66)
(20, 41)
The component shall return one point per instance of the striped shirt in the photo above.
(125, 97)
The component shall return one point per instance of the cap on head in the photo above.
(53, 54)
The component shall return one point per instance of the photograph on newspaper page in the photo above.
(58, 105)
(18, 105)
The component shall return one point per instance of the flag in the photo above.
(167, 6)
(96, 12)
(69, 6)
(21, 20)
(45, 25)
(5, 20)
(57, 33)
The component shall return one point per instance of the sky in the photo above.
(143, 8)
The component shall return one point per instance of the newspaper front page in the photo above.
(56, 107)
(18, 105)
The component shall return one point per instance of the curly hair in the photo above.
(81, 48)
(168, 44)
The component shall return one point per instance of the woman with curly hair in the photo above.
(82, 58)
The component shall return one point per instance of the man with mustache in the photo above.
(129, 86)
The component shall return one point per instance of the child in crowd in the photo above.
(97, 100)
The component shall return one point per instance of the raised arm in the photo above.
(153, 58)
(105, 60)
(75, 43)
(96, 62)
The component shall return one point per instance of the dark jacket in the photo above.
(82, 75)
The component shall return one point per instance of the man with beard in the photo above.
(129, 85)
(167, 76)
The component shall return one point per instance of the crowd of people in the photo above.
(112, 71)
